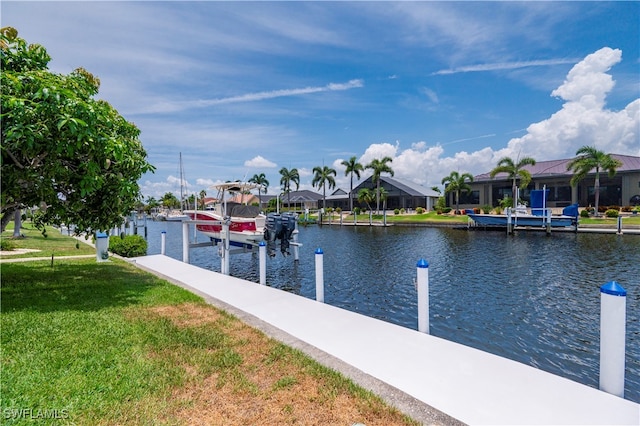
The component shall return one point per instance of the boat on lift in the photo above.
(247, 225)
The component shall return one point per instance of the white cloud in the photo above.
(260, 162)
(499, 66)
(584, 118)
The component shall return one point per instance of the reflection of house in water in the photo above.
(615, 191)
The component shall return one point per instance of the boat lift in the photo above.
(224, 246)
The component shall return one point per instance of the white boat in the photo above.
(248, 227)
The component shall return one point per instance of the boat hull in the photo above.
(243, 232)
(522, 220)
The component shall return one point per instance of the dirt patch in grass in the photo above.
(255, 380)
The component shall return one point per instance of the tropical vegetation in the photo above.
(457, 183)
(379, 166)
(263, 184)
(63, 150)
(289, 177)
(515, 170)
(352, 167)
(589, 158)
(324, 176)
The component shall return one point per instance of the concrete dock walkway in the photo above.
(429, 375)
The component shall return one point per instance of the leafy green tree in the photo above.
(261, 180)
(379, 166)
(289, 177)
(456, 183)
(352, 167)
(588, 159)
(515, 171)
(323, 176)
(63, 150)
(201, 196)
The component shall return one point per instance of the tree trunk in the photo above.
(17, 220)
(6, 218)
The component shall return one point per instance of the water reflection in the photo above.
(531, 298)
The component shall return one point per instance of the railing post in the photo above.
(163, 242)
(319, 276)
(263, 262)
(613, 300)
(423, 295)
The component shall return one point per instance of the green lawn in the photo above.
(91, 343)
(54, 243)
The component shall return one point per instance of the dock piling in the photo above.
(613, 300)
(263, 262)
(319, 276)
(163, 242)
(423, 296)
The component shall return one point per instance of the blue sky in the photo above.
(241, 88)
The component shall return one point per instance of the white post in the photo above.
(319, 276)
(613, 300)
(548, 217)
(423, 296)
(185, 242)
(509, 225)
(163, 242)
(225, 246)
(263, 262)
(296, 249)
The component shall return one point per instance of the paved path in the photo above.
(423, 375)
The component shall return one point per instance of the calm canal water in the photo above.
(531, 298)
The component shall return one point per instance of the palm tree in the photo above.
(456, 183)
(323, 176)
(379, 167)
(365, 195)
(352, 167)
(262, 182)
(288, 177)
(589, 158)
(515, 171)
(203, 195)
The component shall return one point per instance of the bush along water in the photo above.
(128, 246)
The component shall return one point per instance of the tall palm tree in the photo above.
(352, 167)
(203, 195)
(456, 183)
(589, 158)
(262, 182)
(323, 176)
(516, 171)
(289, 177)
(379, 167)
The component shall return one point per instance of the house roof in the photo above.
(410, 188)
(559, 168)
(301, 196)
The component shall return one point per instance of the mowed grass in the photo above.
(54, 243)
(106, 343)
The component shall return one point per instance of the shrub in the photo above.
(356, 210)
(7, 245)
(611, 213)
(338, 210)
(446, 210)
(396, 211)
(128, 246)
(402, 210)
(419, 210)
(486, 209)
(584, 213)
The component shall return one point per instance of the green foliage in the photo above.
(7, 244)
(584, 213)
(63, 150)
(420, 210)
(486, 209)
(506, 202)
(128, 246)
(396, 211)
(611, 213)
(357, 210)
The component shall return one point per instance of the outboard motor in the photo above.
(272, 231)
(288, 226)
